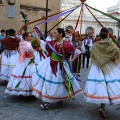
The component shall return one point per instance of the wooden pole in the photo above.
(78, 62)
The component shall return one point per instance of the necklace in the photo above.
(58, 43)
(61, 45)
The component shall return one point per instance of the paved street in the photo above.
(27, 108)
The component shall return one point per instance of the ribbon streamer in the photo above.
(31, 61)
(56, 16)
(117, 19)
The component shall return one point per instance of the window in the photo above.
(11, 11)
(1, 2)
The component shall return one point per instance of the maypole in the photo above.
(81, 13)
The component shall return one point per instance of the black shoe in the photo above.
(82, 66)
(60, 102)
(45, 106)
(102, 113)
(87, 66)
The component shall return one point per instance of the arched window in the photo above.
(110, 30)
(69, 27)
(90, 31)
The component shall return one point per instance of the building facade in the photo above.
(88, 20)
(14, 12)
(114, 10)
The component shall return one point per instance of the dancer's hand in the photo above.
(70, 61)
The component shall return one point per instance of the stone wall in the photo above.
(7, 22)
(35, 9)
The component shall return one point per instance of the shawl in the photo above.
(34, 43)
(23, 54)
(36, 46)
(10, 43)
(102, 53)
(65, 50)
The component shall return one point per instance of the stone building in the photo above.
(88, 20)
(10, 16)
(114, 10)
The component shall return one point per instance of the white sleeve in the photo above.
(83, 48)
(29, 48)
(43, 45)
(48, 38)
(77, 51)
(20, 36)
(90, 44)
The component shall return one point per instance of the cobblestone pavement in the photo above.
(27, 108)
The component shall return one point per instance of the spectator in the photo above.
(88, 45)
(68, 36)
(1, 37)
(19, 35)
(50, 37)
(7, 33)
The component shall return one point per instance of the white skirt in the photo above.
(51, 88)
(118, 65)
(8, 64)
(25, 87)
(103, 88)
(38, 57)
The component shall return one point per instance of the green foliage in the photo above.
(118, 24)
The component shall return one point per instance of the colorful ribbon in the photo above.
(31, 61)
(57, 54)
(117, 19)
(57, 16)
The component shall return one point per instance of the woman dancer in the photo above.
(52, 81)
(9, 56)
(38, 49)
(21, 79)
(103, 84)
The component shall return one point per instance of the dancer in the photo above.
(103, 85)
(2, 35)
(9, 56)
(21, 79)
(52, 81)
(76, 64)
(38, 52)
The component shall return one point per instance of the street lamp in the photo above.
(25, 20)
(46, 18)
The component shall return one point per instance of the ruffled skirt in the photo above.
(103, 88)
(25, 87)
(51, 88)
(9, 59)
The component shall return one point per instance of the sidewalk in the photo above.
(27, 108)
